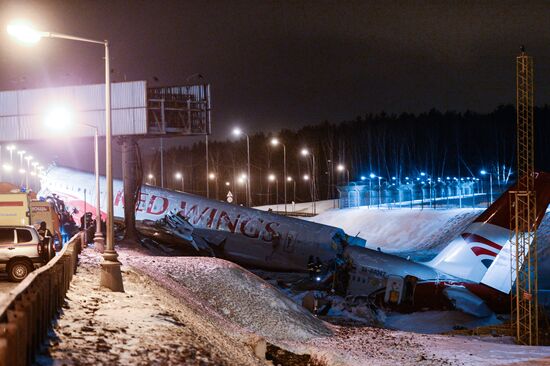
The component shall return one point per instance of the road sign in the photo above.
(229, 196)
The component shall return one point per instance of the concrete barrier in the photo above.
(27, 313)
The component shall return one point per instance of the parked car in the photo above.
(22, 250)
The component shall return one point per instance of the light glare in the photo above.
(58, 118)
(23, 32)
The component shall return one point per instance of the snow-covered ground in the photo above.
(242, 304)
(421, 234)
(399, 230)
(145, 325)
(201, 311)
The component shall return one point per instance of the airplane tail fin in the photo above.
(481, 253)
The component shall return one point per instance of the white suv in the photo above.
(21, 248)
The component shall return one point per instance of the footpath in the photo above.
(144, 325)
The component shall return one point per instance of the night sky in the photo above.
(276, 64)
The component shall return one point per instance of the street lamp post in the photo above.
(289, 179)
(10, 149)
(275, 142)
(237, 132)
(306, 179)
(379, 190)
(21, 153)
(372, 176)
(214, 177)
(342, 168)
(59, 119)
(273, 178)
(242, 180)
(111, 276)
(484, 172)
(28, 158)
(306, 152)
(179, 176)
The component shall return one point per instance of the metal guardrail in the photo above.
(27, 313)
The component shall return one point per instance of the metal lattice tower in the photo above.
(524, 313)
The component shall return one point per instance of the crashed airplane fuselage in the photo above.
(244, 235)
(471, 273)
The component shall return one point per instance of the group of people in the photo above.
(88, 225)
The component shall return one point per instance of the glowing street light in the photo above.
(179, 176)
(484, 172)
(341, 168)
(273, 178)
(214, 177)
(305, 152)
(372, 176)
(10, 148)
(111, 276)
(289, 179)
(275, 141)
(25, 33)
(238, 132)
(150, 178)
(58, 118)
(21, 153)
(61, 118)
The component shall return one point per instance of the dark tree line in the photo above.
(437, 143)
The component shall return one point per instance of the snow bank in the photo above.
(235, 295)
(400, 229)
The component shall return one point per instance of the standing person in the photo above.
(318, 268)
(311, 267)
(46, 237)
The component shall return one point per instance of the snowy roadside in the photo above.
(143, 326)
(207, 311)
(243, 304)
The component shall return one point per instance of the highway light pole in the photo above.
(99, 241)
(342, 168)
(111, 276)
(289, 179)
(180, 177)
(306, 152)
(237, 132)
(273, 178)
(275, 142)
(60, 118)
